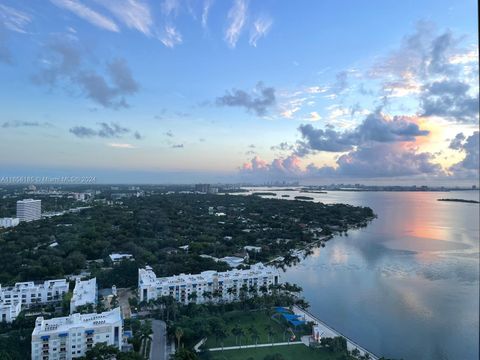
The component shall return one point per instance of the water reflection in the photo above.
(407, 286)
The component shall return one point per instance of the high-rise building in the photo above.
(84, 293)
(70, 337)
(207, 286)
(29, 209)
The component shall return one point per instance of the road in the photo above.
(158, 349)
(123, 295)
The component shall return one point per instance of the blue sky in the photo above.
(211, 90)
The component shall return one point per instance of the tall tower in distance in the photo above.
(29, 209)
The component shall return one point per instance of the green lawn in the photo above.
(291, 352)
(259, 320)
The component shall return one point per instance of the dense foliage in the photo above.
(152, 228)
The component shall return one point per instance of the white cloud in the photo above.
(313, 116)
(237, 17)
(135, 14)
(14, 19)
(260, 28)
(121, 145)
(170, 36)
(87, 14)
(170, 6)
(206, 9)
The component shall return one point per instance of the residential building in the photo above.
(9, 222)
(70, 337)
(29, 209)
(84, 293)
(208, 285)
(28, 293)
(8, 313)
(116, 258)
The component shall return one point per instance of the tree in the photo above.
(184, 354)
(178, 335)
(253, 334)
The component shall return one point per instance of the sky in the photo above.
(240, 91)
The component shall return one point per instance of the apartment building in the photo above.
(84, 293)
(29, 209)
(9, 313)
(70, 337)
(208, 285)
(27, 293)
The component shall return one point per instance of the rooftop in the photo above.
(63, 324)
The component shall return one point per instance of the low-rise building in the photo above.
(70, 337)
(208, 285)
(9, 222)
(84, 293)
(116, 258)
(255, 249)
(28, 293)
(9, 312)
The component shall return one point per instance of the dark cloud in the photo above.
(470, 146)
(177, 146)
(283, 146)
(258, 102)
(374, 128)
(169, 133)
(107, 131)
(67, 65)
(341, 82)
(450, 99)
(17, 124)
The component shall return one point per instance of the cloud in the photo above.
(283, 146)
(13, 19)
(376, 127)
(258, 102)
(205, 11)
(170, 7)
(121, 145)
(177, 146)
(87, 14)
(450, 99)
(170, 37)
(135, 14)
(105, 130)
(64, 64)
(376, 160)
(169, 133)
(313, 116)
(237, 16)
(260, 28)
(17, 124)
(470, 165)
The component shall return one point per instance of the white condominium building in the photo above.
(70, 337)
(29, 209)
(27, 293)
(9, 313)
(208, 285)
(84, 293)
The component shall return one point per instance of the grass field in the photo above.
(259, 320)
(291, 352)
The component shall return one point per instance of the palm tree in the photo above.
(241, 333)
(253, 334)
(236, 332)
(232, 291)
(178, 335)
(220, 333)
(192, 297)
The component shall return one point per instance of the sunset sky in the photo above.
(240, 90)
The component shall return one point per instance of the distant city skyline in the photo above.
(183, 91)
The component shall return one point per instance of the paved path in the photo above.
(256, 346)
(158, 349)
(122, 296)
(328, 331)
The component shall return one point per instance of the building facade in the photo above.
(84, 293)
(207, 286)
(9, 313)
(9, 222)
(70, 337)
(28, 293)
(29, 209)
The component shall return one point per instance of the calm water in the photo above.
(407, 286)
